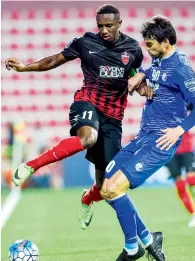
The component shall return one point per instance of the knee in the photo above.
(89, 140)
(109, 191)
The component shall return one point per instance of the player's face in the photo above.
(108, 26)
(154, 48)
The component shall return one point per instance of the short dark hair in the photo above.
(107, 9)
(159, 28)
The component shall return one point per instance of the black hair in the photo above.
(107, 9)
(159, 28)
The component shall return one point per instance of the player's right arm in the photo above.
(69, 53)
(43, 64)
(138, 82)
(184, 77)
(135, 81)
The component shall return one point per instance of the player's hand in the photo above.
(134, 82)
(12, 63)
(170, 137)
(145, 90)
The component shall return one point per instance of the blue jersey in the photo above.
(173, 81)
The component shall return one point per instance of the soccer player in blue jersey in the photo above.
(163, 122)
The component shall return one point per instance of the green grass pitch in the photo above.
(49, 219)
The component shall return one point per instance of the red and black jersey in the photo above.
(186, 144)
(106, 68)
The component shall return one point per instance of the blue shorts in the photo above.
(140, 159)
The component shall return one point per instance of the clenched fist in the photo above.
(14, 64)
(145, 90)
(134, 82)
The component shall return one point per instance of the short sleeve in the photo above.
(73, 49)
(138, 58)
(184, 77)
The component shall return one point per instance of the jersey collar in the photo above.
(160, 61)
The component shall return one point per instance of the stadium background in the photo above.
(38, 104)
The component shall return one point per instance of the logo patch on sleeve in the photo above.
(190, 85)
(139, 166)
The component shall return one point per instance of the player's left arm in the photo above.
(185, 78)
(137, 81)
(136, 78)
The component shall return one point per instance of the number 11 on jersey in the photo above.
(87, 113)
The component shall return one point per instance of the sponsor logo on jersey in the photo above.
(155, 75)
(125, 58)
(111, 72)
(154, 81)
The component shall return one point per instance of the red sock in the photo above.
(65, 148)
(191, 180)
(185, 196)
(92, 195)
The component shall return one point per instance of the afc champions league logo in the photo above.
(125, 58)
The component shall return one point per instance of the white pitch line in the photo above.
(9, 205)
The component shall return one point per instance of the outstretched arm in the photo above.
(43, 64)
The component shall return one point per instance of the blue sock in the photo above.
(126, 214)
(142, 231)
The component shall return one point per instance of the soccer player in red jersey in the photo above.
(184, 158)
(107, 60)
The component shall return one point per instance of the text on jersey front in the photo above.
(111, 72)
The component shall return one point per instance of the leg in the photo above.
(132, 170)
(174, 166)
(99, 178)
(185, 195)
(86, 137)
(88, 197)
(190, 180)
(186, 198)
(114, 191)
(85, 132)
(93, 194)
(189, 163)
(117, 186)
(106, 147)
